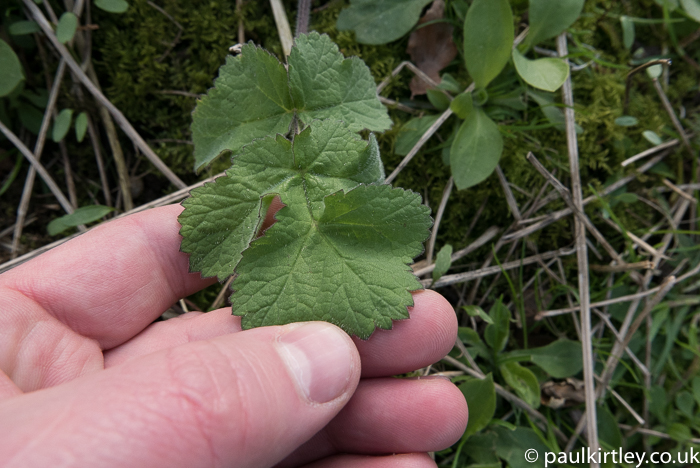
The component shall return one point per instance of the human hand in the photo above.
(86, 378)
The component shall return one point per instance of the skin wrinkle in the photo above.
(190, 391)
(69, 355)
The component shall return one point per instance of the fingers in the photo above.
(406, 460)
(391, 416)
(111, 282)
(422, 340)
(193, 326)
(246, 399)
(412, 344)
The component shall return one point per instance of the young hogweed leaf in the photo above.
(221, 218)
(345, 264)
(339, 250)
(256, 96)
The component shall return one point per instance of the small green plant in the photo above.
(340, 247)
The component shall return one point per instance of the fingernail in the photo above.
(319, 358)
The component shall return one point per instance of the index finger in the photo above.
(111, 282)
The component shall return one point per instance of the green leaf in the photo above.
(476, 311)
(82, 215)
(12, 72)
(221, 218)
(523, 381)
(81, 124)
(496, 333)
(476, 149)
(679, 432)
(560, 359)
(655, 71)
(652, 137)
(628, 31)
(443, 261)
(547, 74)
(696, 389)
(67, 25)
(112, 6)
(686, 404)
(324, 85)
(255, 96)
(61, 125)
(548, 18)
(626, 121)
(488, 38)
(517, 446)
(608, 427)
(411, 132)
(438, 99)
(380, 21)
(21, 28)
(481, 400)
(692, 8)
(345, 263)
(554, 115)
(462, 105)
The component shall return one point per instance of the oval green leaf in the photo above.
(21, 28)
(61, 124)
(443, 261)
(380, 21)
(66, 28)
(560, 359)
(112, 6)
(547, 74)
(81, 123)
(626, 121)
(497, 333)
(652, 137)
(628, 31)
(476, 149)
(438, 99)
(462, 105)
(12, 72)
(488, 38)
(523, 381)
(411, 132)
(692, 8)
(83, 215)
(548, 18)
(481, 399)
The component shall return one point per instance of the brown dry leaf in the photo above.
(431, 48)
(558, 394)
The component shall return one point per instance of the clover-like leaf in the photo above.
(345, 264)
(255, 96)
(221, 218)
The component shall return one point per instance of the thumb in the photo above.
(245, 400)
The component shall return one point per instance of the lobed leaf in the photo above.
(221, 218)
(345, 264)
(380, 21)
(255, 96)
